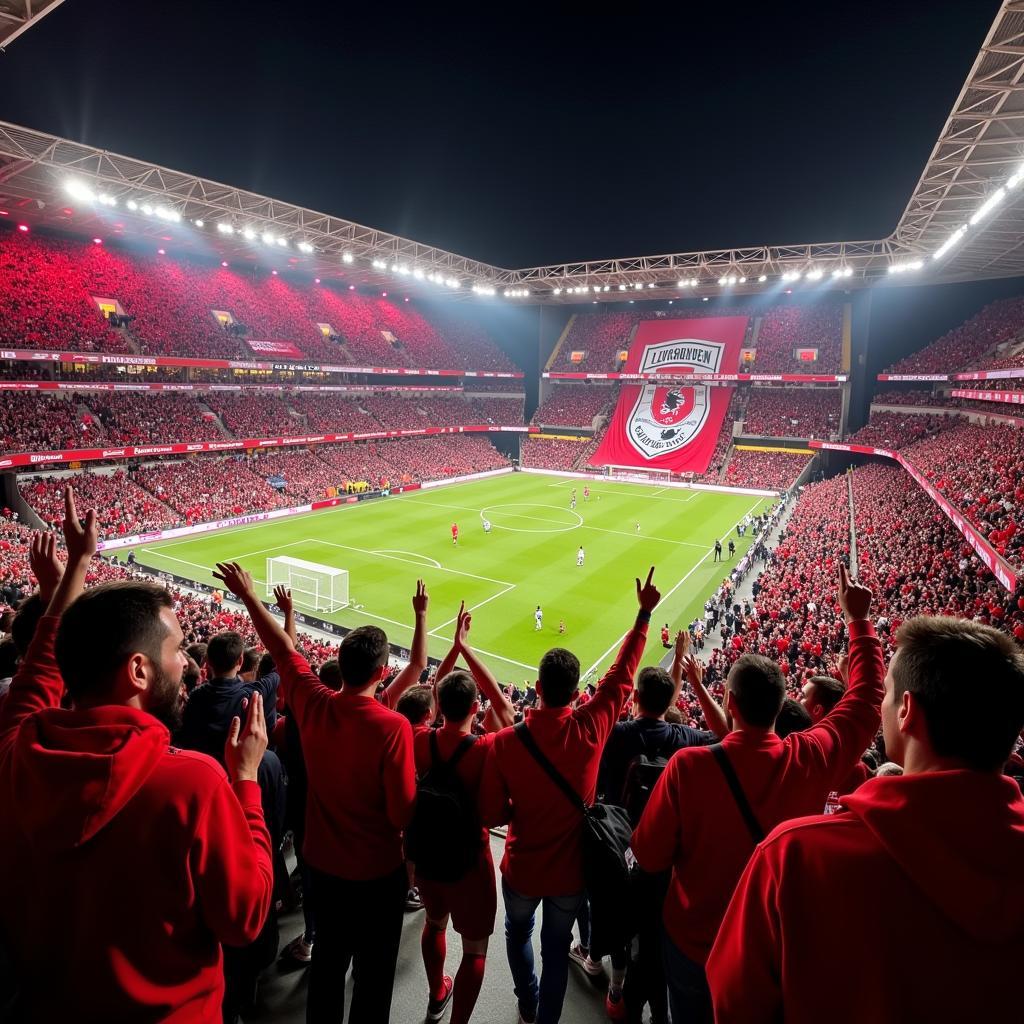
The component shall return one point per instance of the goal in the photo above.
(638, 474)
(319, 588)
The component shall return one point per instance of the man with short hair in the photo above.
(133, 860)
(362, 785)
(712, 804)
(543, 850)
(470, 902)
(819, 695)
(920, 873)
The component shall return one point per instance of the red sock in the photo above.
(467, 986)
(434, 946)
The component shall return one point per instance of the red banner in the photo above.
(284, 349)
(673, 426)
(1009, 397)
(741, 378)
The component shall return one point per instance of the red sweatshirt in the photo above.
(542, 851)
(362, 782)
(692, 824)
(914, 896)
(128, 862)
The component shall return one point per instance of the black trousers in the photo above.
(357, 923)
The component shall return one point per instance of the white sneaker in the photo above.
(581, 958)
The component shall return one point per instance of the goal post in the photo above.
(638, 474)
(315, 587)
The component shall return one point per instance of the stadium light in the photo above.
(274, 273)
(556, 291)
(161, 252)
(316, 280)
(651, 285)
(418, 274)
(762, 278)
(1016, 178)
(106, 200)
(638, 287)
(199, 223)
(815, 275)
(622, 287)
(266, 238)
(347, 257)
(988, 206)
(791, 275)
(132, 205)
(147, 209)
(80, 191)
(606, 287)
(305, 247)
(249, 235)
(23, 228)
(282, 242)
(902, 268)
(223, 263)
(843, 272)
(950, 242)
(379, 265)
(97, 241)
(743, 280)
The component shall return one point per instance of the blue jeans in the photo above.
(545, 1000)
(689, 997)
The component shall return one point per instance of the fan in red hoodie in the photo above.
(917, 884)
(701, 823)
(133, 861)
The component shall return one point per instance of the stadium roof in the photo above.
(17, 16)
(964, 221)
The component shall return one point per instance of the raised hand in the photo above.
(694, 670)
(235, 578)
(245, 746)
(854, 599)
(420, 599)
(648, 594)
(283, 599)
(80, 538)
(682, 644)
(462, 624)
(843, 666)
(45, 563)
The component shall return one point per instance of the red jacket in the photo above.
(691, 822)
(128, 862)
(362, 782)
(911, 902)
(542, 851)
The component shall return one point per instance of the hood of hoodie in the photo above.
(959, 837)
(72, 772)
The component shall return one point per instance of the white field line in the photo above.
(622, 492)
(398, 551)
(394, 558)
(479, 604)
(665, 597)
(490, 654)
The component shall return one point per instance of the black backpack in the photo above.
(642, 774)
(444, 838)
(607, 834)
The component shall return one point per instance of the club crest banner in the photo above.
(674, 426)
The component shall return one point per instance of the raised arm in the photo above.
(273, 637)
(410, 675)
(714, 715)
(450, 659)
(283, 599)
(38, 684)
(501, 714)
(845, 732)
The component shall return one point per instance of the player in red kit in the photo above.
(455, 533)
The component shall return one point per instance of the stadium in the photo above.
(285, 426)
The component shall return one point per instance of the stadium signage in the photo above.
(686, 375)
(913, 376)
(126, 359)
(131, 452)
(1009, 397)
(63, 385)
(997, 565)
(1017, 371)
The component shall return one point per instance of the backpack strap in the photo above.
(742, 804)
(457, 755)
(549, 769)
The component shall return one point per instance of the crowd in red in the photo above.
(48, 289)
(896, 430)
(30, 421)
(793, 412)
(787, 328)
(131, 419)
(771, 470)
(574, 405)
(970, 345)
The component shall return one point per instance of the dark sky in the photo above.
(523, 136)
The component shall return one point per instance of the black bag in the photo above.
(607, 833)
(444, 838)
(642, 774)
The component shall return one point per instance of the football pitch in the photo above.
(528, 559)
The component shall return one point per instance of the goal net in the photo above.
(638, 474)
(318, 588)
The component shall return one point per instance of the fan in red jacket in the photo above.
(694, 823)
(543, 860)
(917, 884)
(129, 861)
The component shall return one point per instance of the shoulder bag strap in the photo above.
(746, 811)
(550, 770)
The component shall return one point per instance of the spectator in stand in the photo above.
(935, 851)
(542, 862)
(774, 471)
(575, 405)
(689, 824)
(793, 412)
(115, 826)
(470, 901)
(359, 758)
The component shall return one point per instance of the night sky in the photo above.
(525, 135)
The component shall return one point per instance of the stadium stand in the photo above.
(793, 412)
(575, 405)
(772, 470)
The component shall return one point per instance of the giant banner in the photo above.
(674, 426)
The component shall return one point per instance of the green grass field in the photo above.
(529, 558)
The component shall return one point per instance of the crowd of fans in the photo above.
(133, 419)
(894, 430)
(552, 453)
(764, 469)
(975, 344)
(793, 412)
(48, 289)
(30, 421)
(574, 405)
(786, 328)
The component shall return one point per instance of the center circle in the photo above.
(531, 517)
